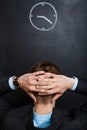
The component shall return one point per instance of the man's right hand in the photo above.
(55, 84)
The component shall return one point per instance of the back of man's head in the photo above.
(47, 67)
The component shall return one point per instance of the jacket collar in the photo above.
(59, 116)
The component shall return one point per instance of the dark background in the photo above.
(21, 45)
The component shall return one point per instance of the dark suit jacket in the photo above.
(4, 87)
(14, 98)
(22, 119)
(10, 99)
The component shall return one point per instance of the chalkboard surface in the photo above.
(64, 43)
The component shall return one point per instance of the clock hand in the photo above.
(38, 16)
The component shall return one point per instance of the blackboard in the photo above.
(22, 45)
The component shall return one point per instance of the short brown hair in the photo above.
(45, 66)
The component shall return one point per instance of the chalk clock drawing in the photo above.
(43, 16)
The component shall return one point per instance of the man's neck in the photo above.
(41, 108)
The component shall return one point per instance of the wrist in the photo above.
(72, 82)
(15, 81)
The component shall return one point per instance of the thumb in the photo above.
(33, 97)
(55, 97)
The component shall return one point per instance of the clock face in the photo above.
(43, 16)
